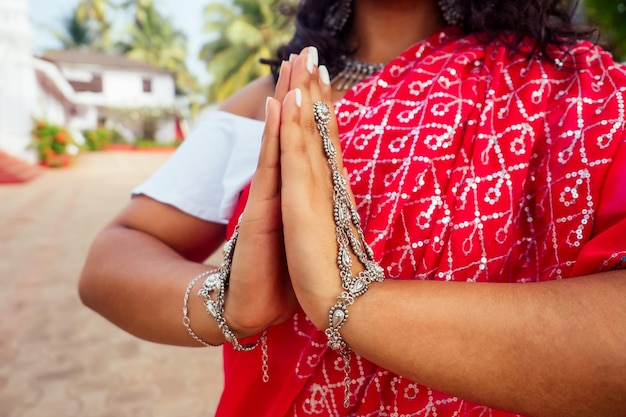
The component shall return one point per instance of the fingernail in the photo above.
(324, 75)
(292, 57)
(298, 93)
(267, 104)
(311, 58)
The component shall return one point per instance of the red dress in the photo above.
(468, 162)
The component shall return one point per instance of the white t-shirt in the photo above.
(209, 169)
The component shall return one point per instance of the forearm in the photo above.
(137, 282)
(545, 349)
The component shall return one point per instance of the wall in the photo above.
(125, 89)
(17, 79)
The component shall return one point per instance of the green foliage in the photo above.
(149, 36)
(150, 143)
(98, 139)
(145, 118)
(95, 15)
(50, 139)
(152, 39)
(610, 17)
(76, 33)
(246, 30)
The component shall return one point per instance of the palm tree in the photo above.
(154, 40)
(96, 12)
(75, 33)
(610, 16)
(139, 8)
(247, 30)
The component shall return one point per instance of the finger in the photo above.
(295, 156)
(305, 72)
(284, 79)
(305, 77)
(314, 82)
(265, 181)
(324, 77)
(308, 75)
(291, 133)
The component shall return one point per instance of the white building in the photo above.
(17, 79)
(78, 89)
(113, 90)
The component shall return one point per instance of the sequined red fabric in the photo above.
(468, 163)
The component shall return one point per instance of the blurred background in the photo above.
(94, 96)
(123, 72)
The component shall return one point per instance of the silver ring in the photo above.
(321, 112)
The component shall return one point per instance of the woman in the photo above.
(478, 159)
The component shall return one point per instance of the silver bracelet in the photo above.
(351, 242)
(186, 320)
(218, 283)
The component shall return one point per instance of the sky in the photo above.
(186, 16)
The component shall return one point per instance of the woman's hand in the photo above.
(307, 191)
(260, 293)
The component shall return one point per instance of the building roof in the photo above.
(101, 59)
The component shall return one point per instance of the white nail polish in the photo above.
(280, 70)
(292, 57)
(298, 94)
(311, 58)
(324, 75)
(267, 104)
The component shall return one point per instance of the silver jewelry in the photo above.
(186, 320)
(337, 15)
(218, 283)
(354, 72)
(351, 241)
(451, 11)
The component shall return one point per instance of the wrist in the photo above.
(317, 298)
(243, 326)
(317, 310)
(192, 308)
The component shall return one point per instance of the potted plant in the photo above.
(52, 143)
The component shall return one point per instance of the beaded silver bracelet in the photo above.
(218, 283)
(351, 242)
(186, 320)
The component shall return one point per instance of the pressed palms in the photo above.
(247, 30)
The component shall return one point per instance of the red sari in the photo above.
(468, 162)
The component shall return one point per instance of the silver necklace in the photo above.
(354, 72)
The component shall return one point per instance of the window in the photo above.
(147, 85)
(93, 84)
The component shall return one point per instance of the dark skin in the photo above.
(135, 258)
(138, 270)
(136, 262)
(496, 355)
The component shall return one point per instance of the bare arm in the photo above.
(138, 269)
(140, 265)
(541, 349)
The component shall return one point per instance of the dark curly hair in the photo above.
(548, 22)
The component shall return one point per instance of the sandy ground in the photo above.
(58, 358)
